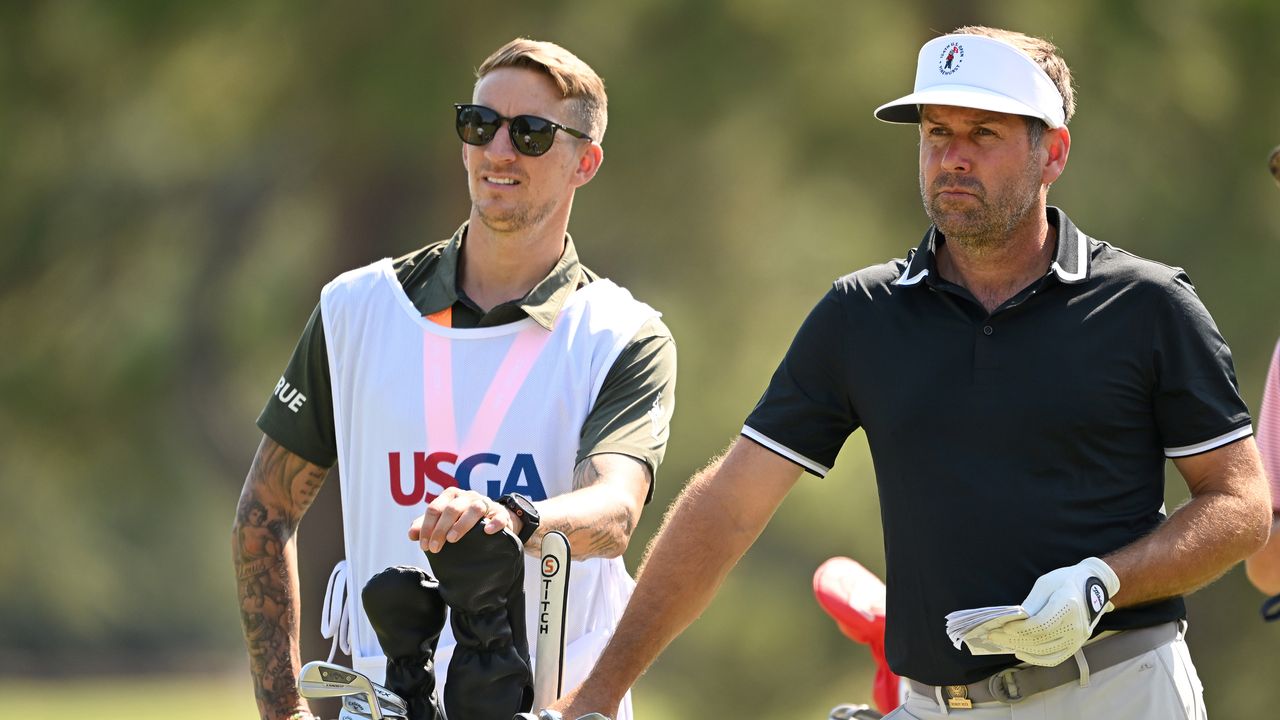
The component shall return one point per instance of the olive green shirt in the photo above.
(632, 412)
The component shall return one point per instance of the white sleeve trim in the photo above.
(815, 467)
(1208, 445)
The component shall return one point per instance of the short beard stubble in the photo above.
(986, 228)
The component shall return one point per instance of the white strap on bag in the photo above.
(335, 620)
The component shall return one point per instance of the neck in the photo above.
(498, 267)
(996, 271)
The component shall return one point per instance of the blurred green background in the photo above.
(179, 180)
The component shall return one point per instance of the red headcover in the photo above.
(854, 597)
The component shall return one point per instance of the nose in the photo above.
(955, 157)
(500, 148)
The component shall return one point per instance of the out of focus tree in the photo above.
(181, 178)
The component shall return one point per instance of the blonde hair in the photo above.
(1042, 52)
(575, 79)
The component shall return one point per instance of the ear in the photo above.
(589, 163)
(1057, 145)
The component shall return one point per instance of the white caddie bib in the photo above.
(419, 407)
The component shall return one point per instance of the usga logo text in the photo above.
(424, 476)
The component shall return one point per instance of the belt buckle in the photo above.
(957, 697)
(1003, 687)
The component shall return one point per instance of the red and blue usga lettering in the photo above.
(522, 476)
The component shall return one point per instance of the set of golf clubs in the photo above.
(320, 679)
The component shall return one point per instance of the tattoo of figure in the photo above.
(278, 490)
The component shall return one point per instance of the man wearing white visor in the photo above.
(1021, 385)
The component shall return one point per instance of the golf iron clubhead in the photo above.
(854, 712)
(390, 702)
(360, 706)
(554, 715)
(349, 714)
(324, 679)
(387, 700)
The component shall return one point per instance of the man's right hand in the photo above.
(567, 704)
(549, 714)
(573, 705)
(453, 513)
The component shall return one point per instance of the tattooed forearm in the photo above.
(605, 535)
(600, 514)
(279, 489)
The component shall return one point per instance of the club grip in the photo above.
(553, 592)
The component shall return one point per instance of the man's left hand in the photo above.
(1065, 606)
(453, 513)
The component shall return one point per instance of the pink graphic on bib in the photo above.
(475, 447)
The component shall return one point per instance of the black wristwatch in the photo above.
(522, 507)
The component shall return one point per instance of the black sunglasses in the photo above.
(530, 134)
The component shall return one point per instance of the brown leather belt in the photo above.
(1019, 683)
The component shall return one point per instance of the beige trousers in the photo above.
(1159, 685)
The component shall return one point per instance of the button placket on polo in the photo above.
(986, 355)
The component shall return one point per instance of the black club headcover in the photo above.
(405, 608)
(482, 581)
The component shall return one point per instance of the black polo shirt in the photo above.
(1006, 444)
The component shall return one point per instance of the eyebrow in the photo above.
(987, 118)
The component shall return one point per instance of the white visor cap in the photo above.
(978, 72)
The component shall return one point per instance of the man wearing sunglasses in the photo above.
(1021, 385)
(490, 379)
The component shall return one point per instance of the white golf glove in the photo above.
(1065, 606)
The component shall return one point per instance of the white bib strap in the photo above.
(335, 619)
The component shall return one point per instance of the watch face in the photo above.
(522, 506)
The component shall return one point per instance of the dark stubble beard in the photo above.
(987, 226)
(516, 219)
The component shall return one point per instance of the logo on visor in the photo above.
(950, 59)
